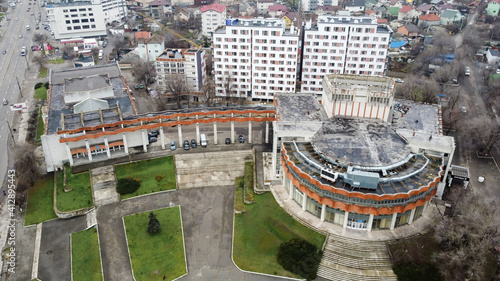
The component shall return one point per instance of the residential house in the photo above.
(212, 16)
(149, 49)
(263, 6)
(182, 3)
(493, 56)
(182, 14)
(311, 5)
(323, 10)
(369, 4)
(289, 17)
(142, 35)
(428, 20)
(246, 8)
(410, 30)
(493, 8)
(396, 3)
(445, 6)
(355, 6)
(425, 9)
(159, 9)
(276, 11)
(370, 13)
(408, 14)
(394, 11)
(449, 17)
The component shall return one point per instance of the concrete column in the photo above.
(393, 221)
(162, 138)
(412, 215)
(215, 132)
(197, 131)
(275, 154)
(106, 144)
(290, 188)
(70, 157)
(144, 140)
(425, 207)
(267, 130)
(125, 143)
(249, 131)
(232, 128)
(88, 149)
(346, 217)
(304, 202)
(323, 212)
(370, 223)
(179, 130)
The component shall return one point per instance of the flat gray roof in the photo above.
(363, 142)
(416, 116)
(79, 84)
(293, 107)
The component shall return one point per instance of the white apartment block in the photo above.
(263, 6)
(185, 63)
(76, 19)
(149, 49)
(255, 58)
(357, 96)
(114, 10)
(343, 45)
(310, 5)
(212, 16)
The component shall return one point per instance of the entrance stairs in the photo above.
(350, 259)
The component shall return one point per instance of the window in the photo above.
(72, 10)
(74, 16)
(68, 21)
(77, 27)
(85, 20)
(86, 27)
(82, 9)
(92, 20)
(75, 21)
(68, 28)
(65, 11)
(93, 26)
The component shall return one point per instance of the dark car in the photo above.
(193, 143)
(136, 86)
(241, 138)
(152, 139)
(228, 140)
(154, 134)
(186, 145)
(105, 44)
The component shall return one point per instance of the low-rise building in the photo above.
(150, 48)
(428, 20)
(160, 9)
(410, 30)
(493, 56)
(212, 16)
(276, 11)
(449, 17)
(185, 64)
(493, 8)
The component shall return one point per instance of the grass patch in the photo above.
(40, 127)
(41, 93)
(249, 181)
(238, 195)
(259, 231)
(81, 194)
(40, 202)
(56, 61)
(85, 257)
(43, 72)
(147, 171)
(162, 252)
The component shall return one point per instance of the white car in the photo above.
(399, 81)
(467, 71)
(498, 70)
(464, 109)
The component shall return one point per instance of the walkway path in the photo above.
(103, 185)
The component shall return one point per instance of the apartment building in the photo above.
(255, 58)
(212, 16)
(343, 45)
(150, 48)
(311, 5)
(187, 64)
(113, 10)
(76, 19)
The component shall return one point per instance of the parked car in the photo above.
(464, 109)
(241, 139)
(193, 143)
(152, 139)
(154, 134)
(467, 71)
(228, 141)
(172, 145)
(5, 102)
(186, 145)
(399, 80)
(136, 86)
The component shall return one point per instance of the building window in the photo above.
(75, 21)
(68, 21)
(77, 27)
(86, 27)
(93, 26)
(72, 10)
(68, 28)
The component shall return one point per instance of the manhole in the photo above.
(49, 252)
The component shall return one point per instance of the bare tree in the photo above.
(26, 167)
(418, 89)
(144, 72)
(228, 86)
(208, 89)
(482, 133)
(40, 39)
(466, 237)
(40, 60)
(444, 74)
(95, 52)
(176, 85)
(451, 112)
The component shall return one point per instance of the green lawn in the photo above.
(238, 195)
(85, 257)
(56, 61)
(40, 202)
(41, 93)
(260, 230)
(249, 181)
(78, 198)
(40, 126)
(162, 252)
(43, 72)
(147, 171)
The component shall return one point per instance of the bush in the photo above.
(300, 257)
(154, 224)
(38, 85)
(127, 185)
(159, 178)
(46, 85)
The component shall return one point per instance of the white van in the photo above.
(100, 54)
(203, 141)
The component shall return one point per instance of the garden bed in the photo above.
(85, 256)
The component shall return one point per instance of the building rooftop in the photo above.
(346, 19)
(429, 17)
(298, 107)
(86, 82)
(410, 115)
(363, 142)
(405, 9)
(213, 7)
(69, 4)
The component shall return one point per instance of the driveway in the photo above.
(207, 216)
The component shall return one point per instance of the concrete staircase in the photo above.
(104, 185)
(346, 258)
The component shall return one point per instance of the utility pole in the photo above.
(19, 85)
(10, 130)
